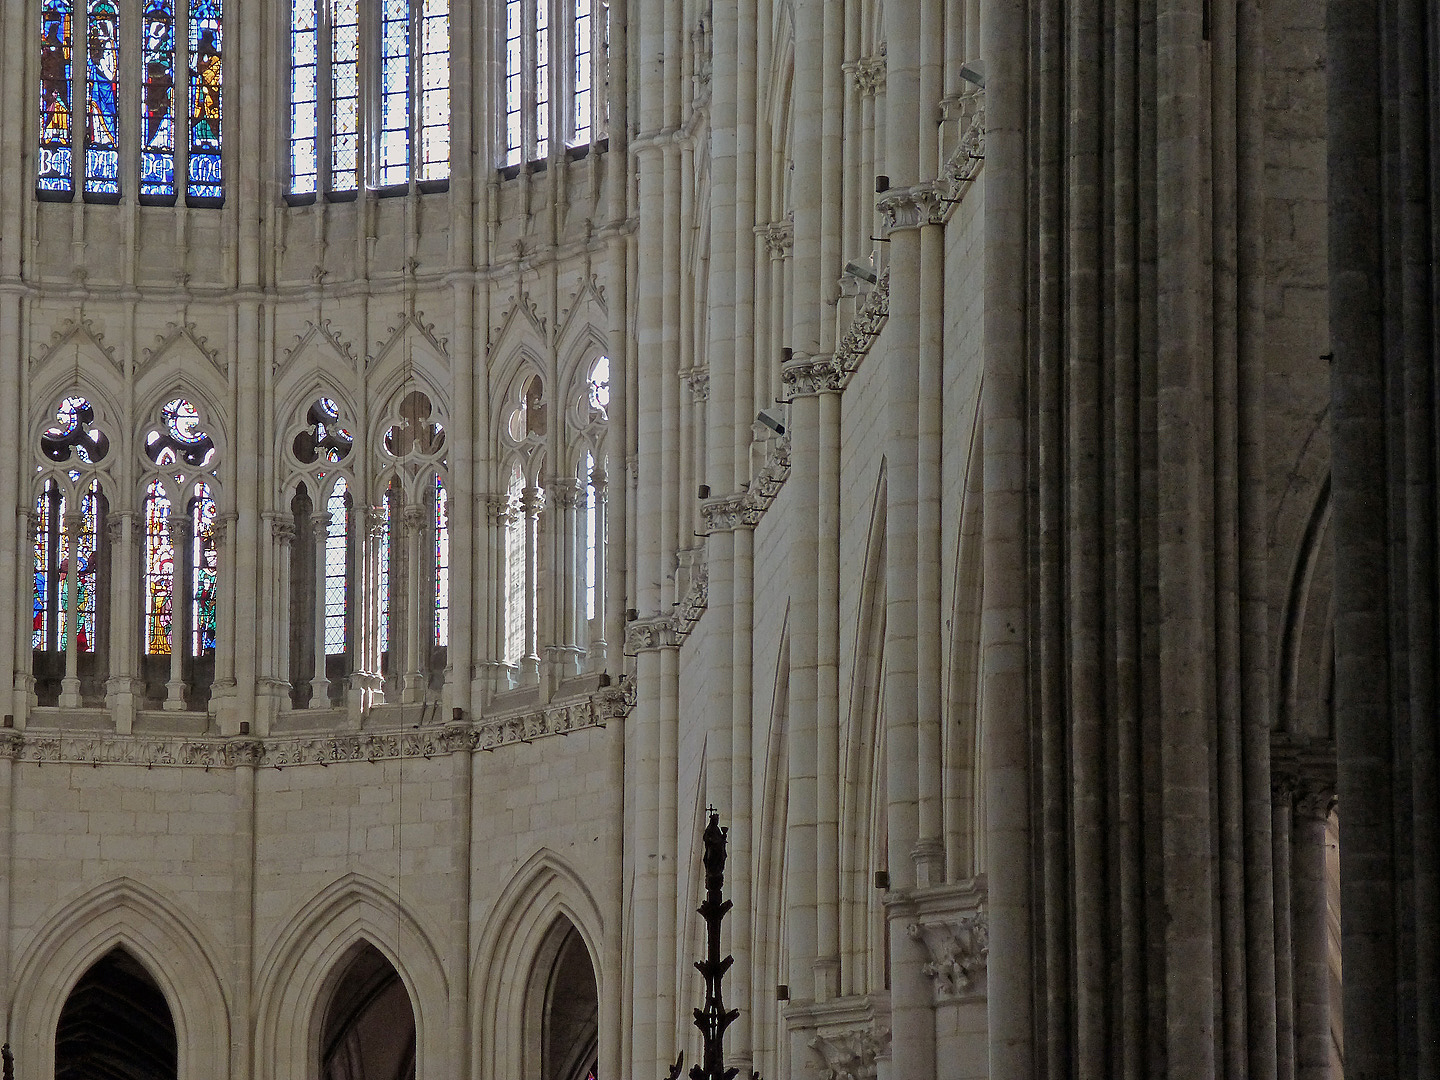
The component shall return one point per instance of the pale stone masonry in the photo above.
(963, 528)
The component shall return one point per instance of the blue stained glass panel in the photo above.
(86, 569)
(441, 526)
(56, 96)
(157, 108)
(204, 567)
(206, 101)
(102, 90)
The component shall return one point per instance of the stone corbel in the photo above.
(959, 949)
(850, 1054)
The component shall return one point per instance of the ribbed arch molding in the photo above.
(307, 957)
(161, 935)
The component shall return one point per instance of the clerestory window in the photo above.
(161, 83)
(369, 96)
(554, 78)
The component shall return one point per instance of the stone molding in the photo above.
(931, 202)
(151, 751)
(869, 320)
(743, 509)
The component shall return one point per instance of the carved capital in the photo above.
(499, 510)
(729, 513)
(566, 492)
(532, 501)
(415, 517)
(1314, 798)
(869, 74)
(179, 526)
(458, 737)
(809, 375)
(850, 1054)
(646, 635)
(10, 744)
(959, 949)
(222, 527)
(779, 237)
(697, 381)
(912, 207)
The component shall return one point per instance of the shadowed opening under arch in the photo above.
(116, 1025)
(369, 1029)
(570, 1022)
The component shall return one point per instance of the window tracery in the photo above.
(369, 97)
(114, 62)
(554, 53)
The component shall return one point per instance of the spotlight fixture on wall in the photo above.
(882, 879)
(971, 75)
(772, 422)
(703, 491)
(860, 270)
(882, 184)
(785, 354)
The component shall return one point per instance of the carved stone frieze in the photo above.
(959, 949)
(869, 321)
(850, 1054)
(10, 744)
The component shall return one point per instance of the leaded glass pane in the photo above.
(388, 515)
(592, 538)
(304, 95)
(395, 92)
(336, 591)
(344, 95)
(442, 564)
(157, 106)
(48, 508)
(206, 176)
(435, 90)
(580, 124)
(542, 79)
(204, 563)
(56, 172)
(513, 61)
(515, 588)
(87, 569)
(159, 570)
(102, 89)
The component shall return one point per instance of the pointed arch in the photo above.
(304, 960)
(157, 932)
(1307, 634)
(543, 890)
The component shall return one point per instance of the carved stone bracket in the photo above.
(851, 1054)
(959, 951)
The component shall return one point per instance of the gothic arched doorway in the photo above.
(116, 1025)
(369, 1027)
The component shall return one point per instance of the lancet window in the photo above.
(172, 83)
(553, 81)
(369, 96)
(69, 559)
(589, 529)
(180, 548)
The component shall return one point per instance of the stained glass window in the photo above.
(159, 569)
(157, 111)
(48, 554)
(394, 92)
(542, 79)
(336, 549)
(102, 113)
(57, 86)
(86, 569)
(513, 63)
(304, 96)
(180, 437)
(435, 90)
(583, 73)
(598, 388)
(204, 562)
(74, 435)
(325, 439)
(344, 95)
(442, 563)
(205, 100)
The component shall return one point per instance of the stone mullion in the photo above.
(275, 601)
(415, 523)
(319, 683)
(532, 499)
(180, 534)
(121, 526)
(596, 645)
(227, 640)
(73, 523)
(1283, 794)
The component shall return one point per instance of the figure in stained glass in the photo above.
(337, 531)
(159, 570)
(204, 563)
(157, 156)
(86, 569)
(441, 525)
(205, 100)
(102, 75)
(56, 86)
